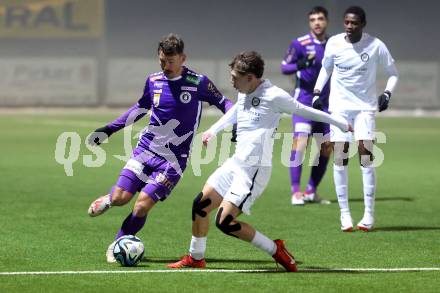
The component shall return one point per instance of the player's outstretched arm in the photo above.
(132, 115)
(229, 118)
(287, 104)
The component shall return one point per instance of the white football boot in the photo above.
(99, 206)
(109, 253)
(346, 223)
(297, 199)
(314, 198)
(367, 223)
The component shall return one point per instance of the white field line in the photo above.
(323, 270)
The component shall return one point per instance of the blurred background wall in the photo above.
(98, 53)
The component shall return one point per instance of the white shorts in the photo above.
(240, 184)
(363, 123)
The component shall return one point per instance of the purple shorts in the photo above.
(149, 173)
(303, 126)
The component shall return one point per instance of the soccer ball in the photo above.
(128, 250)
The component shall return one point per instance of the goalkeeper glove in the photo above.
(100, 135)
(383, 100)
(317, 102)
(305, 62)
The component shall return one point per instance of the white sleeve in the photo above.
(227, 119)
(286, 104)
(387, 61)
(327, 67)
(324, 75)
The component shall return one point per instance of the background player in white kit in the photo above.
(242, 178)
(351, 58)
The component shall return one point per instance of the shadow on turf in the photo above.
(405, 229)
(215, 261)
(397, 198)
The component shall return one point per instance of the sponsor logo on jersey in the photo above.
(158, 84)
(193, 79)
(188, 88)
(155, 76)
(159, 91)
(303, 38)
(156, 99)
(214, 90)
(306, 42)
(255, 101)
(162, 179)
(365, 57)
(185, 97)
(343, 68)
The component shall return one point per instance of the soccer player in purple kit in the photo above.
(175, 97)
(303, 58)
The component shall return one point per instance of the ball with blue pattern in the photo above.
(128, 250)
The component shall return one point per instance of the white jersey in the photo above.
(257, 116)
(354, 66)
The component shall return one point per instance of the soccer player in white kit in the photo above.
(351, 58)
(242, 178)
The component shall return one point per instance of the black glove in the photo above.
(234, 133)
(99, 135)
(317, 102)
(305, 62)
(383, 100)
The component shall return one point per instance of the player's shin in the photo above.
(262, 242)
(369, 184)
(131, 225)
(200, 218)
(317, 174)
(197, 247)
(200, 226)
(340, 176)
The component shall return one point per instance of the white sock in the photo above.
(262, 242)
(369, 182)
(340, 177)
(197, 247)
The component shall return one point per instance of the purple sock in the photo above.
(131, 225)
(295, 170)
(317, 174)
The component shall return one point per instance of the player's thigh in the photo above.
(302, 128)
(300, 141)
(221, 179)
(226, 209)
(247, 186)
(127, 185)
(161, 180)
(364, 126)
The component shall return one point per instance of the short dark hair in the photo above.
(356, 10)
(248, 62)
(170, 45)
(319, 9)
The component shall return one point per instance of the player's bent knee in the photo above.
(143, 205)
(226, 225)
(120, 196)
(198, 205)
(326, 149)
(299, 143)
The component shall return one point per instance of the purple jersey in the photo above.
(306, 78)
(176, 107)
